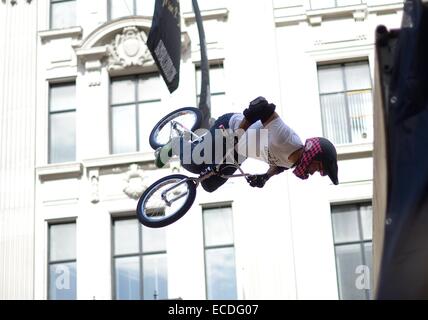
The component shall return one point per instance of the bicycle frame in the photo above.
(206, 174)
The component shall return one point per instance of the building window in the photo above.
(62, 261)
(219, 105)
(122, 8)
(135, 105)
(62, 122)
(346, 102)
(140, 261)
(325, 4)
(219, 247)
(63, 14)
(352, 231)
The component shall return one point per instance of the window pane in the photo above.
(345, 224)
(218, 227)
(150, 87)
(334, 117)
(361, 114)
(121, 8)
(63, 14)
(124, 132)
(148, 114)
(155, 277)
(221, 275)
(357, 76)
(348, 258)
(127, 278)
(62, 242)
(330, 79)
(62, 137)
(367, 221)
(146, 7)
(153, 239)
(62, 281)
(217, 79)
(219, 105)
(368, 254)
(126, 236)
(122, 91)
(62, 97)
(347, 117)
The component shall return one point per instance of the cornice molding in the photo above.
(74, 33)
(218, 14)
(285, 16)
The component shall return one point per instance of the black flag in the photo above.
(164, 41)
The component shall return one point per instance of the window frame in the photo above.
(140, 255)
(49, 262)
(136, 102)
(110, 7)
(68, 110)
(361, 242)
(214, 64)
(222, 246)
(342, 64)
(51, 3)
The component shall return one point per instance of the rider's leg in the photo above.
(214, 182)
(181, 147)
(185, 149)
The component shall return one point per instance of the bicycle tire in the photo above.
(170, 116)
(151, 222)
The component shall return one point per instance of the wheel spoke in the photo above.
(185, 120)
(162, 203)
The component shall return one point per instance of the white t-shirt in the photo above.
(272, 144)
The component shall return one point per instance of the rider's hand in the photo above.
(257, 180)
(259, 109)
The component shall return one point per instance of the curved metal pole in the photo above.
(205, 95)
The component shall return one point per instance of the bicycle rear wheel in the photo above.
(166, 201)
(189, 119)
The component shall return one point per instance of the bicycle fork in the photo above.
(165, 192)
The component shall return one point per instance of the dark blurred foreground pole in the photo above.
(404, 266)
(205, 95)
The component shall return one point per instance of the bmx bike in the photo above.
(169, 198)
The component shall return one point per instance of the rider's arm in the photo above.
(259, 180)
(274, 170)
(245, 124)
(259, 109)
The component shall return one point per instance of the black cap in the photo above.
(328, 157)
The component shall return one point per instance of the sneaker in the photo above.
(163, 154)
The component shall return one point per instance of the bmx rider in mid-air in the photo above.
(282, 149)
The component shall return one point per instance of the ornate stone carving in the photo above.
(134, 182)
(93, 69)
(94, 179)
(360, 15)
(13, 2)
(128, 49)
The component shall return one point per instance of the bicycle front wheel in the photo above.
(166, 201)
(188, 118)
